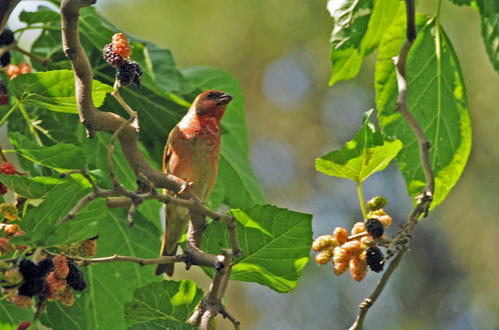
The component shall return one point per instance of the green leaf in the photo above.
(61, 157)
(41, 15)
(358, 27)
(54, 90)
(33, 188)
(236, 179)
(40, 222)
(489, 15)
(368, 152)
(276, 244)
(168, 303)
(58, 316)
(437, 99)
(13, 315)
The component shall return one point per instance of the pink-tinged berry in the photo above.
(5, 246)
(61, 268)
(121, 46)
(9, 230)
(340, 235)
(324, 256)
(324, 242)
(89, 247)
(22, 301)
(12, 71)
(67, 297)
(358, 227)
(56, 284)
(340, 260)
(358, 267)
(23, 325)
(24, 67)
(352, 248)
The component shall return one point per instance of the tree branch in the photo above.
(402, 241)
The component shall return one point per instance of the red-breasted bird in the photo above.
(191, 153)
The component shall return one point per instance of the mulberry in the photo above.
(129, 72)
(323, 242)
(374, 258)
(61, 268)
(377, 203)
(45, 266)
(111, 57)
(358, 267)
(75, 278)
(4, 94)
(5, 60)
(6, 37)
(340, 260)
(340, 235)
(29, 269)
(358, 227)
(121, 46)
(32, 287)
(324, 256)
(7, 167)
(374, 227)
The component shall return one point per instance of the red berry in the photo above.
(3, 189)
(23, 325)
(4, 95)
(7, 168)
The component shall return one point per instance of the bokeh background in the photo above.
(279, 52)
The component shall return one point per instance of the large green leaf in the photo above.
(61, 156)
(41, 15)
(54, 90)
(36, 187)
(236, 179)
(168, 303)
(368, 152)
(275, 242)
(40, 222)
(358, 27)
(437, 99)
(13, 315)
(489, 17)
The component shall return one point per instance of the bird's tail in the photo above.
(165, 268)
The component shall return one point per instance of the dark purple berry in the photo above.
(75, 278)
(4, 94)
(6, 37)
(32, 287)
(5, 59)
(374, 227)
(129, 72)
(374, 258)
(29, 269)
(46, 266)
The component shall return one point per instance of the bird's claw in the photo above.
(185, 187)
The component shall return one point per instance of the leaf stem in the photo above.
(437, 14)
(361, 200)
(30, 124)
(7, 115)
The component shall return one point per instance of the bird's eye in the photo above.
(211, 95)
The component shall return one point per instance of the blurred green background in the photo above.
(279, 52)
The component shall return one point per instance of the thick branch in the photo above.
(425, 198)
(6, 8)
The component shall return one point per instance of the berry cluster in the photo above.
(49, 279)
(10, 213)
(13, 70)
(87, 248)
(357, 252)
(117, 53)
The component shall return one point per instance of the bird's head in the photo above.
(212, 103)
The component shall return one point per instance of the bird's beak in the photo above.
(224, 99)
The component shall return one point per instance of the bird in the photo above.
(191, 153)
